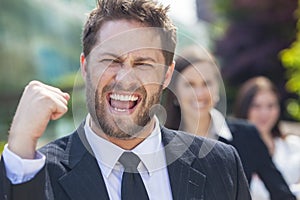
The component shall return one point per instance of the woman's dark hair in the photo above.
(188, 56)
(246, 95)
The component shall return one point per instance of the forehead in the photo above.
(265, 95)
(123, 36)
(200, 71)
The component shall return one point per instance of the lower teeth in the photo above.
(120, 110)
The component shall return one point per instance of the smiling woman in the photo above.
(258, 101)
(196, 86)
(190, 105)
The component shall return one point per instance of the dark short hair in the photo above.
(148, 12)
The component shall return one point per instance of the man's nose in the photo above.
(126, 75)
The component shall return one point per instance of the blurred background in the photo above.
(40, 40)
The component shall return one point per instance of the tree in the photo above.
(258, 30)
(291, 61)
(38, 40)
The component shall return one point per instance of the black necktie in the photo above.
(132, 184)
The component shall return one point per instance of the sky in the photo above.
(183, 11)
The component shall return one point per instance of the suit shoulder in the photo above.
(216, 154)
(57, 147)
(216, 149)
(203, 147)
(239, 122)
(241, 126)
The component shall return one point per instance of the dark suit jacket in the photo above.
(256, 159)
(198, 169)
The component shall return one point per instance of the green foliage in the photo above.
(291, 61)
(257, 31)
(224, 7)
(2, 143)
(38, 40)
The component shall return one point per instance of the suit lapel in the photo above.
(186, 181)
(84, 180)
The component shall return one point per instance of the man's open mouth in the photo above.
(123, 103)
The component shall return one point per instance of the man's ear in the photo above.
(83, 66)
(168, 75)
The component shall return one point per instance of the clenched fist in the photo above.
(39, 104)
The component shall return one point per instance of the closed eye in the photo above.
(109, 60)
(142, 64)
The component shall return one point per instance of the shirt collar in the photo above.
(219, 125)
(150, 150)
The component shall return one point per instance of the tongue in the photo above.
(122, 104)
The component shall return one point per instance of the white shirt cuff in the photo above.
(20, 170)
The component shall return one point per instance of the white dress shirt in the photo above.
(20, 170)
(218, 126)
(153, 167)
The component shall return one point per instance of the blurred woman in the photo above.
(258, 101)
(190, 102)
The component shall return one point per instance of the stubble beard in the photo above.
(120, 127)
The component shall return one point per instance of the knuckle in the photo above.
(45, 97)
(33, 86)
(65, 108)
(34, 83)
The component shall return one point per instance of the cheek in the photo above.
(180, 90)
(101, 77)
(213, 91)
(152, 89)
(185, 95)
(275, 114)
(209, 94)
(252, 115)
(149, 76)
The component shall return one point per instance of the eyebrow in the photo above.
(141, 59)
(138, 59)
(110, 54)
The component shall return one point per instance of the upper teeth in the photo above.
(121, 97)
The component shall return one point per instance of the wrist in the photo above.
(23, 147)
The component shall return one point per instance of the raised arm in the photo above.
(39, 104)
(21, 176)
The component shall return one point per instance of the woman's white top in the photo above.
(287, 160)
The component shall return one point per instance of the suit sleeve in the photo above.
(242, 187)
(269, 174)
(33, 189)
